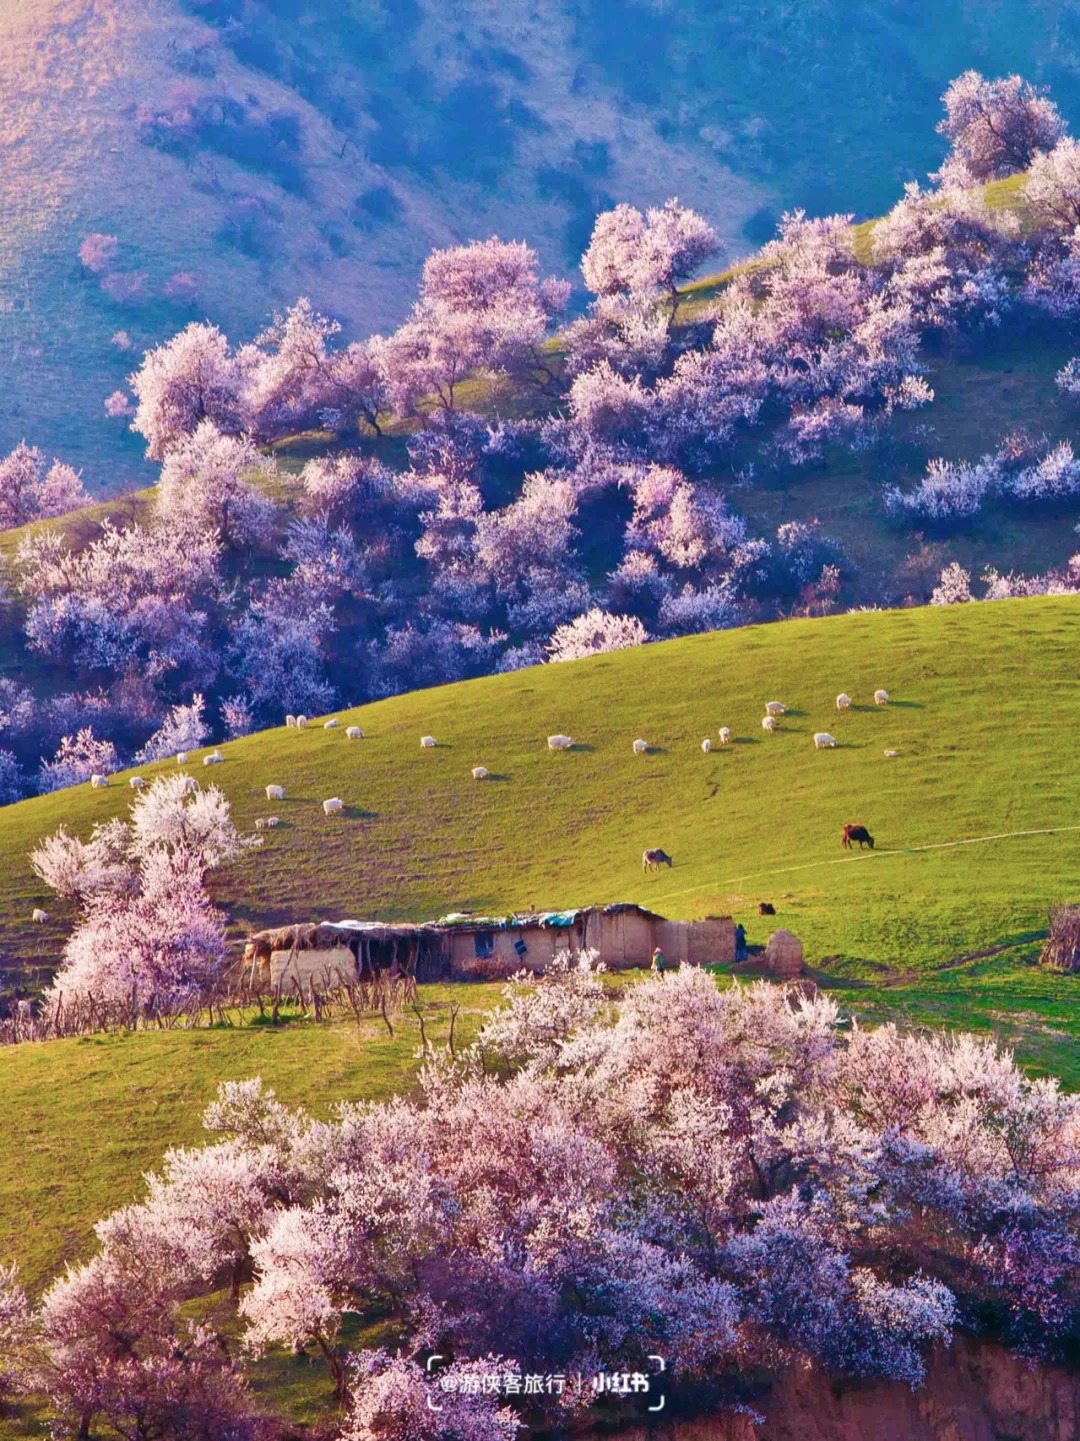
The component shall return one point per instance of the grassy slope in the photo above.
(986, 714)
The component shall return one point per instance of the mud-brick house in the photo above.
(469, 947)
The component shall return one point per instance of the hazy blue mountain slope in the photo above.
(246, 151)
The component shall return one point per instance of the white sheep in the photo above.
(706, 745)
(775, 707)
(891, 755)
(260, 824)
(641, 747)
(181, 758)
(559, 743)
(333, 805)
(725, 735)
(272, 822)
(354, 733)
(842, 701)
(428, 743)
(768, 723)
(99, 782)
(190, 786)
(301, 722)
(39, 915)
(480, 773)
(290, 721)
(136, 783)
(823, 741)
(881, 697)
(275, 793)
(213, 759)
(331, 724)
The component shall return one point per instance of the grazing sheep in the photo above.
(260, 824)
(331, 724)
(842, 701)
(881, 697)
(290, 721)
(333, 805)
(775, 707)
(706, 745)
(272, 822)
(768, 723)
(136, 783)
(99, 782)
(275, 793)
(641, 748)
(38, 914)
(725, 735)
(428, 743)
(823, 741)
(891, 755)
(480, 773)
(213, 759)
(181, 758)
(190, 786)
(301, 722)
(559, 743)
(354, 733)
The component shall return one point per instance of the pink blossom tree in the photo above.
(191, 378)
(482, 310)
(650, 255)
(31, 490)
(1052, 188)
(78, 758)
(995, 127)
(594, 633)
(207, 479)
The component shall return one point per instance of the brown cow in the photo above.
(856, 833)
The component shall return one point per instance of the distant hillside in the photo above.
(985, 713)
(244, 152)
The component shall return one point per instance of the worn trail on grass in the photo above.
(877, 855)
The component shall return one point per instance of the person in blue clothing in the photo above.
(741, 952)
(659, 965)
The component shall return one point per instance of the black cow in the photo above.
(851, 834)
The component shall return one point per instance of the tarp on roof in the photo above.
(559, 920)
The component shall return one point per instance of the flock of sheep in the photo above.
(334, 805)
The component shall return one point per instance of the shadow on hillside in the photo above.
(357, 813)
(580, 746)
(900, 705)
(498, 776)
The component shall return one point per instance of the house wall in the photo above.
(542, 945)
(292, 969)
(711, 942)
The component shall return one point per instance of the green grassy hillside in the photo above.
(985, 713)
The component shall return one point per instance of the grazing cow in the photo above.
(856, 833)
(652, 860)
(766, 909)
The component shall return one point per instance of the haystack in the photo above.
(784, 955)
